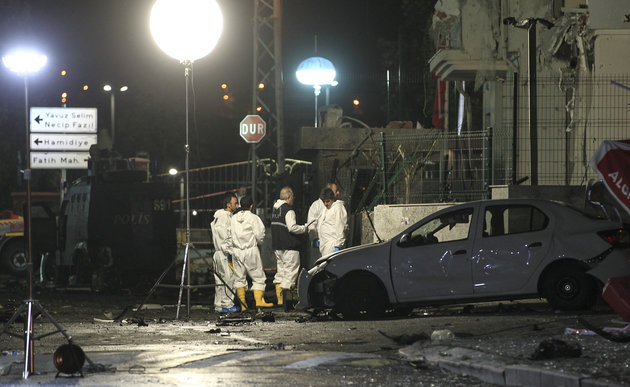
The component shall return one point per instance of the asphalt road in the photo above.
(295, 348)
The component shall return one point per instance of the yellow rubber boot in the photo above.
(240, 292)
(279, 294)
(260, 301)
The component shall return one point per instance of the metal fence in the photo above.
(574, 115)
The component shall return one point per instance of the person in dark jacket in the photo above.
(285, 242)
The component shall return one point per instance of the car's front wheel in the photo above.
(567, 287)
(360, 296)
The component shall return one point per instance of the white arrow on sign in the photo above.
(62, 142)
(58, 119)
(59, 160)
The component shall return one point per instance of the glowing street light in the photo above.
(316, 71)
(186, 30)
(112, 106)
(24, 63)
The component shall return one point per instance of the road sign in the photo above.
(62, 141)
(252, 129)
(59, 160)
(67, 120)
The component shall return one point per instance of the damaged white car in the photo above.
(479, 251)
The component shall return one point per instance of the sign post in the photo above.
(252, 129)
(60, 138)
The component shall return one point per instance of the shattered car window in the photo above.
(448, 227)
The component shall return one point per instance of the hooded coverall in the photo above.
(247, 232)
(288, 259)
(220, 227)
(315, 211)
(331, 228)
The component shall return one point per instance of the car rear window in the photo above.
(513, 219)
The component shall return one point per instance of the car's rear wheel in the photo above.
(568, 287)
(360, 296)
(14, 258)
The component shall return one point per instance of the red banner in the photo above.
(611, 161)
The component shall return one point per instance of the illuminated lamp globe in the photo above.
(316, 71)
(24, 61)
(186, 30)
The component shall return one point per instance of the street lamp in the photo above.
(316, 71)
(112, 107)
(24, 63)
(186, 30)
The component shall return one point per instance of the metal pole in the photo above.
(186, 267)
(277, 44)
(514, 127)
(533, 118)
(254, 174)
(29, 355)
(383, 169)
(112, 108)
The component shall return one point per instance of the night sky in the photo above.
(101, 42)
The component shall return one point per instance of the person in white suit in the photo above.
(332, 225)
(248, 231)
(223, 272)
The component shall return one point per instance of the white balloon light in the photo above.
(186, 30)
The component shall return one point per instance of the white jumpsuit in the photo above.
(331, 228)
(220, 226)
(288, 261)
(247, 232)
(315, 211)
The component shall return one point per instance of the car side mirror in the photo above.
(403, 240)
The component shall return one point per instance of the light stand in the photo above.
(188, 245)
(186, 30)
(24, 63)
(186, 267)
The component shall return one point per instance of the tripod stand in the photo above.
(29, 307)
(187, 286)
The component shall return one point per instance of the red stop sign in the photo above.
(252, 129)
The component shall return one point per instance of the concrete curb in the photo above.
(493, 369)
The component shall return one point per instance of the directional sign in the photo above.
(62, 141)
(67, 120)
(59, 160)
(252, 129)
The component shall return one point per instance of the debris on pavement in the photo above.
(442, 335)
(555, 348)
(214, 330)
(225, 320)
(619, 335)
(268, 317)
(581, 332)
(406, 339)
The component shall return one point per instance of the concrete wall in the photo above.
(390, 220)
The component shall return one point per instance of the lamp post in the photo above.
(25, 63)
(186, 30)
(112, 106)
(530, 25)
(317, 72)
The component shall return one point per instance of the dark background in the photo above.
(101, 42)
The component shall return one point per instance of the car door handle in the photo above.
(535, 244)
(459, 252)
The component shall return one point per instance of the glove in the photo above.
(336, 249)
(316, 243)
